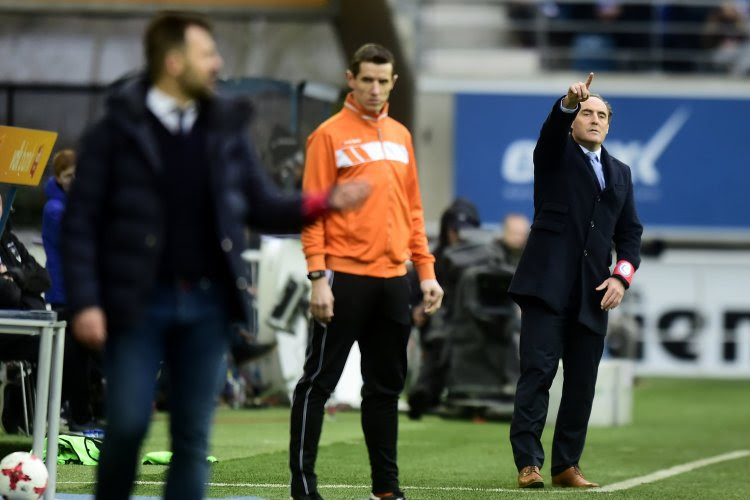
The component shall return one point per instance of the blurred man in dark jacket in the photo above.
(152, 237)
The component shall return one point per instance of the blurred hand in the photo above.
(578, 92)
(432, 295)
(90, 327)
(321, 301)
(349, 195)
(613, 295)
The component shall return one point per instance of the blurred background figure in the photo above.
(56, 189)
(725, 34)
(513, 238)
(592, 49)
(425, 393)
(22, 281)
(469, 352)
(484, 328)
(82, 378)
(22, 278)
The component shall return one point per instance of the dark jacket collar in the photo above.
(126, 99)
(126, 107)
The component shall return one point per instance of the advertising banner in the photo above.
(687, 156)
(24, 154)
(694, 313)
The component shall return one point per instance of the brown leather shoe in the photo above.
(529, 477)
(572, 477)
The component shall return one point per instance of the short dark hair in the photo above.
(370, 52)
(606, 103)
(165, 32)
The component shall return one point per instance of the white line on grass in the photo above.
(622, 485)
(672, 471)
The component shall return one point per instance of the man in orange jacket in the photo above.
(360, 259)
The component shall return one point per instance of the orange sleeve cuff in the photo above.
(316, 262)
(425, 271)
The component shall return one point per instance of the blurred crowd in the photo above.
(612, 35)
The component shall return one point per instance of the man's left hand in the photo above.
(613, 295)
(432, 295)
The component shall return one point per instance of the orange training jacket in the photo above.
(388, 229)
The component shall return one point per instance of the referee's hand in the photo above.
(321, 301)
(432, 295)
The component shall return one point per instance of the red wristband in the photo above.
(314, 205)
(624, 270)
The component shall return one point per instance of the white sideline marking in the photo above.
(622, 485)
(672, 471)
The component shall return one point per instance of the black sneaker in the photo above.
(312, 496)
(396, 495)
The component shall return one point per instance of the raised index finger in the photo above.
(589, 80)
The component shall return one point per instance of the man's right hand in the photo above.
(90, 327)
(578, 92)
(321, 301)
(349, 195)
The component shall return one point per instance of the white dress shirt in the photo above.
(168, 111)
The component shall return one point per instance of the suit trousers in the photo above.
(375, 313)
(547, 337)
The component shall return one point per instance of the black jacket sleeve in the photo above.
(553, 137)
(270, 209)
(83, 219)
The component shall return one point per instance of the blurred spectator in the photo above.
(724, 34)
(682, 38)
(56, 189)
(484, 330)
(465, 257)
(641, 25)
(81, 377)
(522, 14)
(22, 279)
(430, 381)
(514, 236)
(593, 48)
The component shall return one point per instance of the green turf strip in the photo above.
(675, 422)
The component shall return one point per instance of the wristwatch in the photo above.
(316, 275)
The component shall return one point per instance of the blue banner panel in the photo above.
(689, 156)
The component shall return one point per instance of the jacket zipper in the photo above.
(380, 139)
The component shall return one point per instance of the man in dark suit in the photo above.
(583, 203)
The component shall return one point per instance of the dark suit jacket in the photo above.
(575, 224)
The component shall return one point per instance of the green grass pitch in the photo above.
(675, 422)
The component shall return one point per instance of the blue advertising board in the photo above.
(690, 157)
